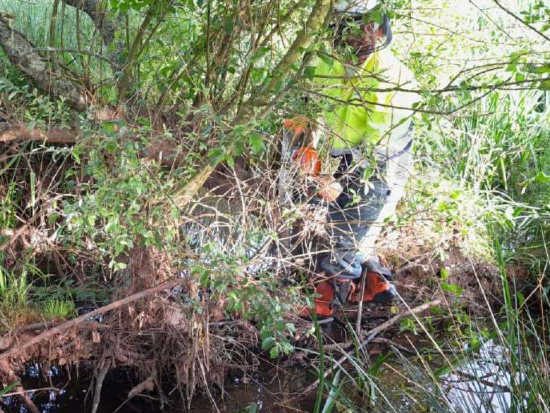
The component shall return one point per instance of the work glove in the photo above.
(329, 188)
(297, 125)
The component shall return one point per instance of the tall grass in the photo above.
(33, 19)
(508, 351)
(496, 154)
(506, 155)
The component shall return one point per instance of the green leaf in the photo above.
(274, 352)
(91, 220)
(238, 148)
(216, 155)
(256, 143)
(327, 60)
(230, 161)
(75, 153)
(109, 127)
(267, 343)
(520, 77)
(252, 408)
(452, 288)
(191, 5)
(542, 178)
(309, 73)
(120, 266)
(376, 15)
(111, 146)
(240, 130)
(443, 206)
(444, 273)
(257, 75)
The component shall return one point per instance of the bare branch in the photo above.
(76, 51)
(60, 329)
(503, 85)
(370, 335)
(355, 102)
(515, 16)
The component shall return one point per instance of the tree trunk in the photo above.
(97, 10)
(22, 53)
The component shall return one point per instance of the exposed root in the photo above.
(146, 385)
(100, 378)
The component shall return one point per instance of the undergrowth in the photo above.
(480, 186)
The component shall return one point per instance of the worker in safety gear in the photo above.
(368, 129)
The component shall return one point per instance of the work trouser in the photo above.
(357, 216)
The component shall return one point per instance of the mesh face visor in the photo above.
(344, 22)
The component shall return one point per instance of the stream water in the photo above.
(480, 386)
(66, 390)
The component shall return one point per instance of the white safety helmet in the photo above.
(355, 7)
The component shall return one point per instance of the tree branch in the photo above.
(20, 131)
(97, 10)
(419, 109)
(304, 39)
(76, 51)
(124, 82)
(315, 21)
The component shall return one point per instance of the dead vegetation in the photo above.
(158, 319)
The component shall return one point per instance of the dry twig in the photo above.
(20, 231)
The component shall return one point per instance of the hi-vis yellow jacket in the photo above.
(363, 106)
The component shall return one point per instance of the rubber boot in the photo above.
(377, 288)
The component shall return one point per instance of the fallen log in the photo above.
(20, 131)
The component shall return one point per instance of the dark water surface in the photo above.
(271, 388)
(72, 394)
(267, 390)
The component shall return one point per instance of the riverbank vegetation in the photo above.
(141, 226)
